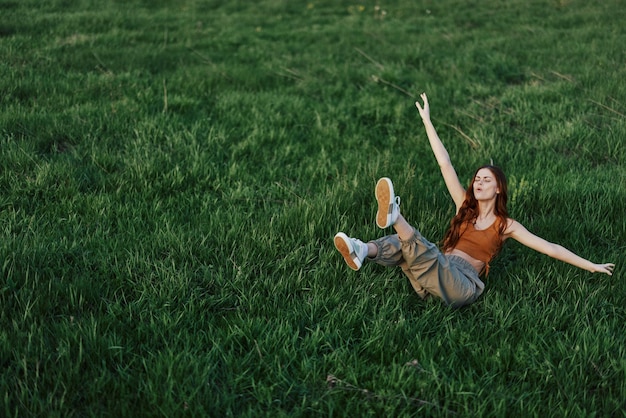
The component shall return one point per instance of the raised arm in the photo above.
(455, 188)
(516, 231)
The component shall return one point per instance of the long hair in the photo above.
(468, 212)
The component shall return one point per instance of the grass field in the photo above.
(173, 172)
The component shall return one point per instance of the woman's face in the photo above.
(485, 185)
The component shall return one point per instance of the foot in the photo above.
(353, 250)
(388, 203)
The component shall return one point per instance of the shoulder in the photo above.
(511, 228)
(517, 231)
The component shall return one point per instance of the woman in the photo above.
(476, 234)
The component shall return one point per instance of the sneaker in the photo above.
(353, 250)
(388, 203)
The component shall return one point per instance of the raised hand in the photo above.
(424, 110)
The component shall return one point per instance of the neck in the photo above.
(486, 208)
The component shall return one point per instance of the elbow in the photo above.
(445, 163)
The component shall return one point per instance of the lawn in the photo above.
(172, 175)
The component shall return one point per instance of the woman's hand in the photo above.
(604, 268)
(425, 110)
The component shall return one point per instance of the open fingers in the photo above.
(419, 106)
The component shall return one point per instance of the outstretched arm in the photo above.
(516, 231)
(455, 188)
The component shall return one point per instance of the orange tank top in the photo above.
(480, 244)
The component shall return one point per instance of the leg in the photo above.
(391, 253)
(388, 251)
(403, 228)
(372, 250)
(456, 281)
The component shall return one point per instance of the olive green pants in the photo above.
(430, 272)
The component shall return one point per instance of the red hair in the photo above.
(468, 212)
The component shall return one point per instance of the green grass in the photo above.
(172, 175)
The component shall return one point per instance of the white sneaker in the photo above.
(353, 250)
(388, 203)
